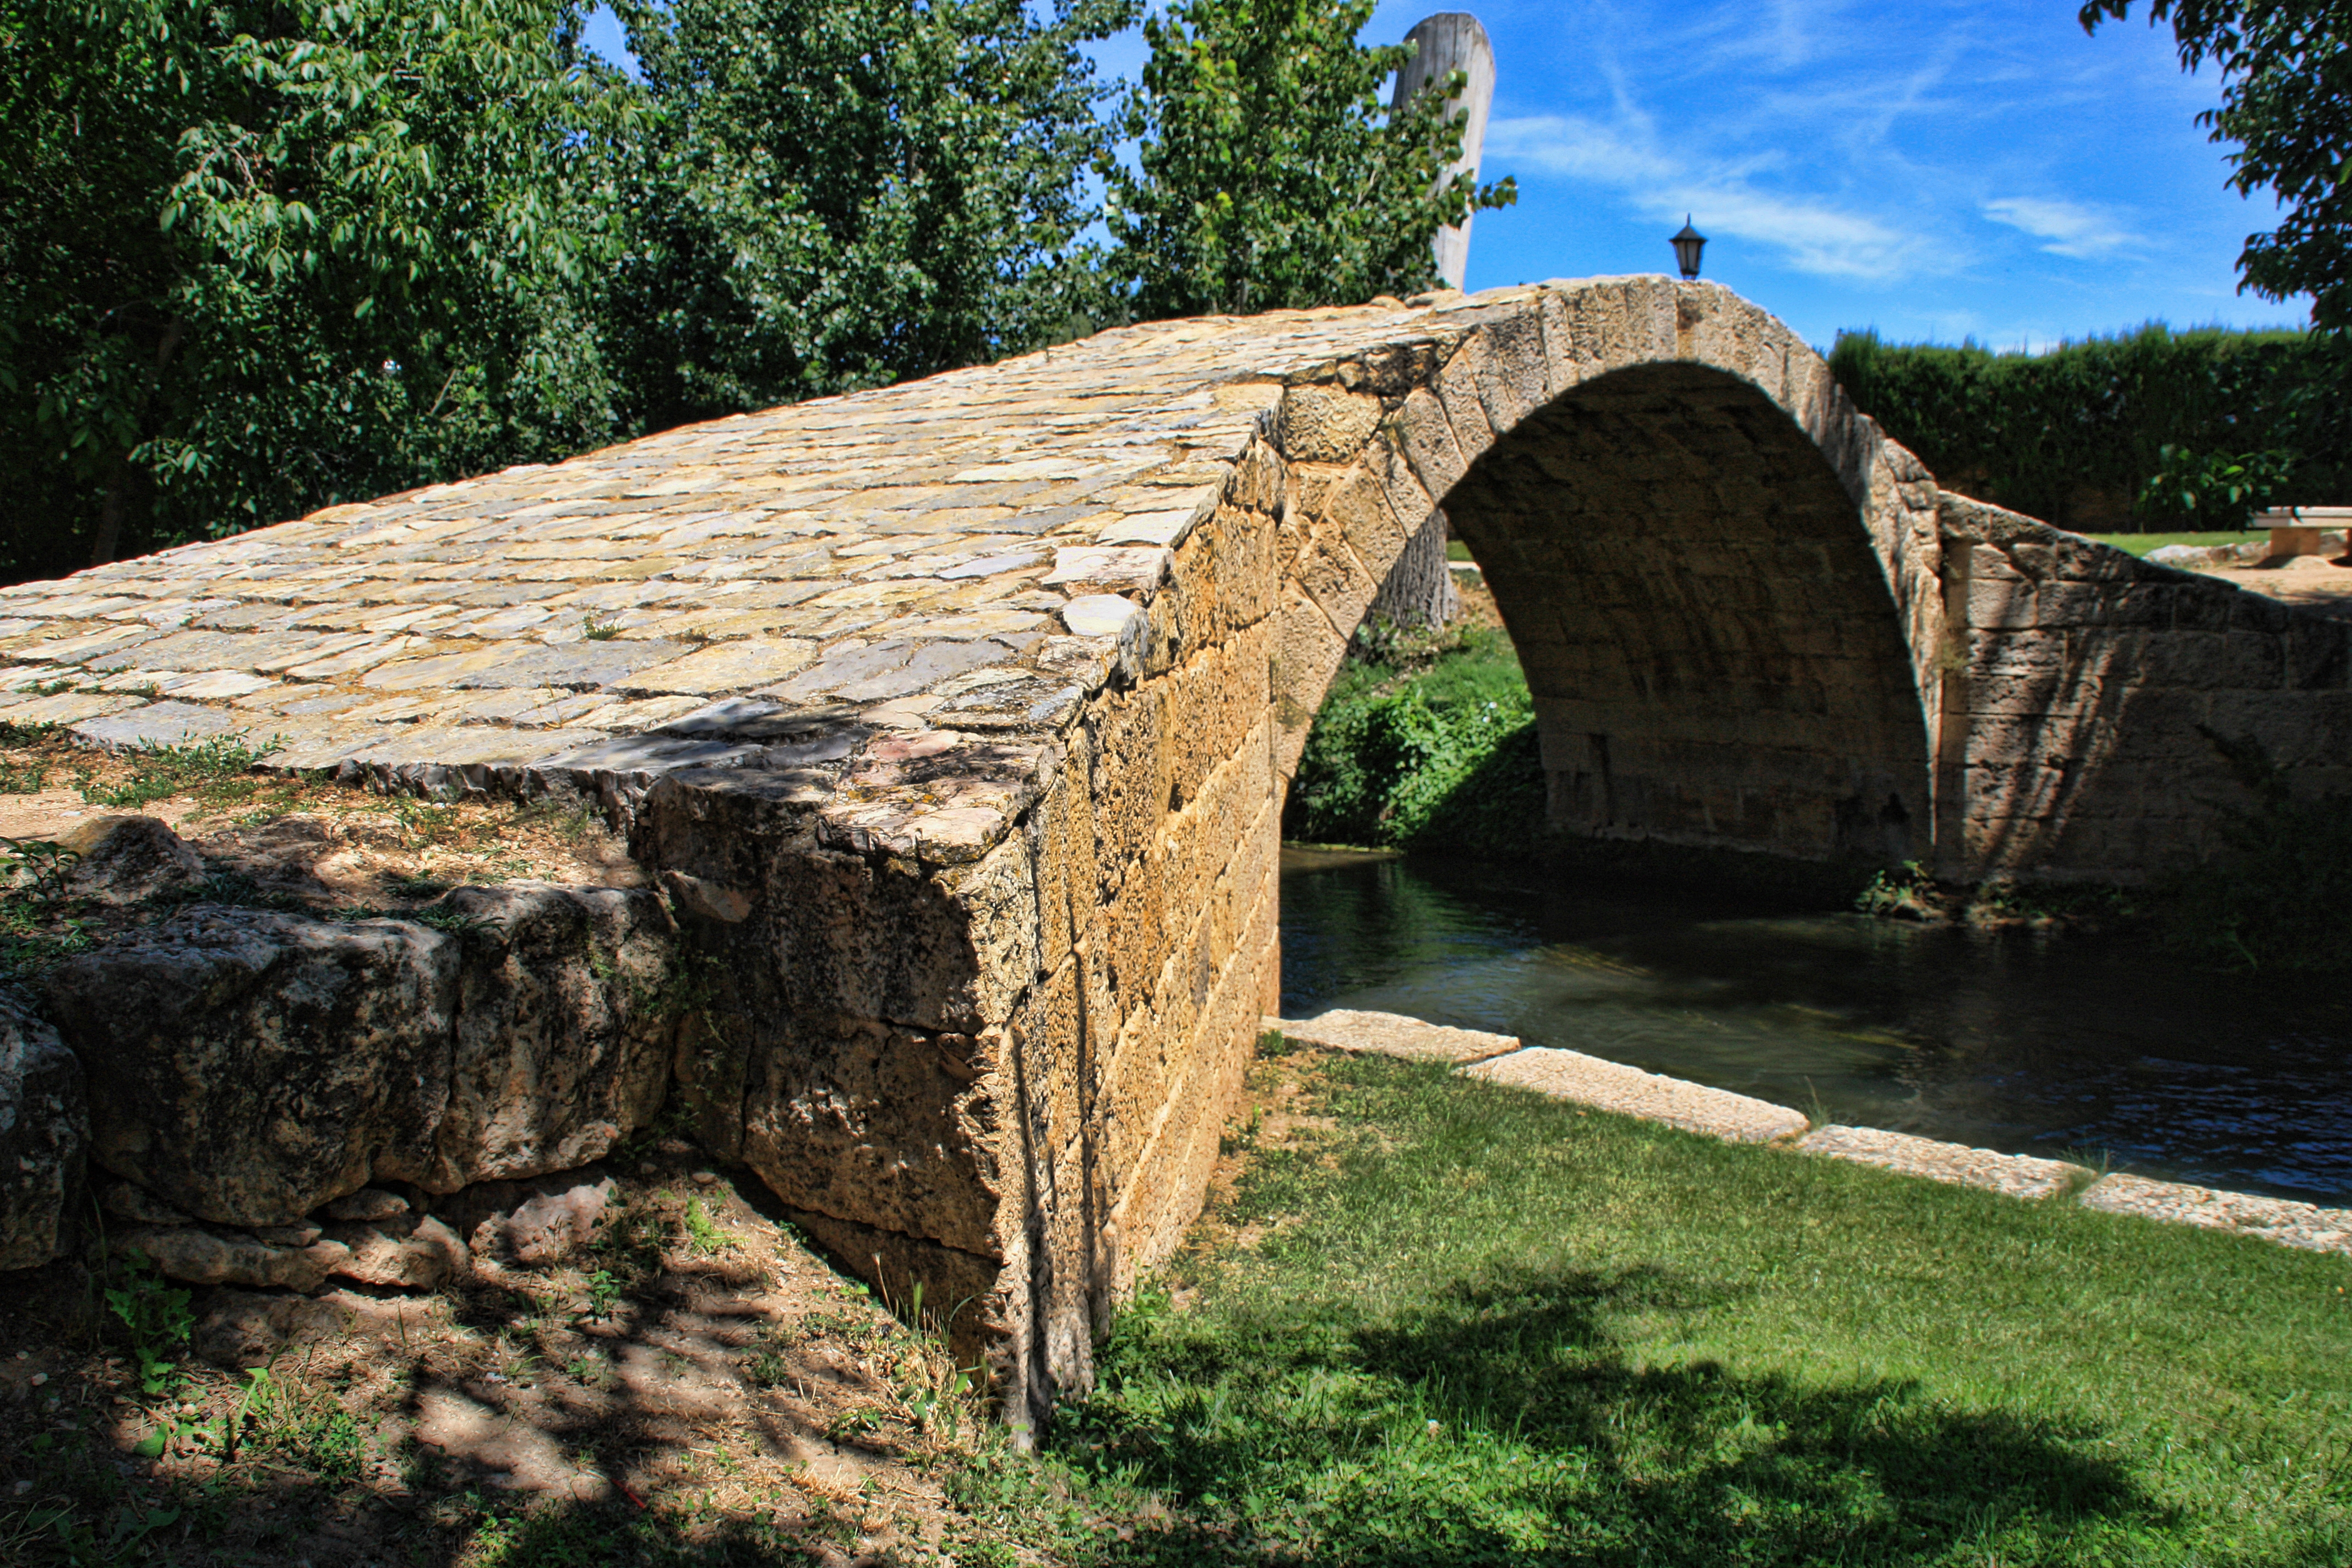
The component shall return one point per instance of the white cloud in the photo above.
(2071, 228)
(1817, 235)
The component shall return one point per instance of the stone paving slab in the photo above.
(1630, 1091)
(1393, 1034)
(2283, 1220)
(2018, 1176)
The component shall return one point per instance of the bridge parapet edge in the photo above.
(2086, 689)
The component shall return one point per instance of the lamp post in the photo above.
(1687, 244)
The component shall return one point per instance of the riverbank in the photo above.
(1431, 1320)
(1427, 742)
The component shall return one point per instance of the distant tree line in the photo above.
(260, 255)
(2153, 429)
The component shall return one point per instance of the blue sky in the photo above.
(1934, 169)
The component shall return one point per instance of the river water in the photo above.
(2024, 1043)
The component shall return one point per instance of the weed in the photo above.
(702, 1233)
(1908, 892)
(604, 1294)
(847, 1426)
(328, 1442)
(22, 778)
(211, 769)
(159, 1320)
(456, 922)
(766, 1367)
(569, 817)
(596, 630)
(40, 866)
(1407, 724)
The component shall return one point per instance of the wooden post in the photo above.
(1447, 42)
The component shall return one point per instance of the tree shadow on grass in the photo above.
(1505, 1422)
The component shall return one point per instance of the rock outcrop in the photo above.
(251, 1066)
(122, 860)
(562, 1044)
(44, 1124)
(254, 1065)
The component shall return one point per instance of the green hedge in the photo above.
(2074, 435)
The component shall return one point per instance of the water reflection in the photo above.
(2007, 1041)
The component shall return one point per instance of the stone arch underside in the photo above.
(1712, 648)
(951, 721)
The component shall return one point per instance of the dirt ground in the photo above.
(697, 1386)
(2307, 582)
(307, 841)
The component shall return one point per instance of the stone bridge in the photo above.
(954, 719)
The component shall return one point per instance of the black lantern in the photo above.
(1687, 244)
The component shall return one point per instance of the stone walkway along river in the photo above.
(1741, 1119)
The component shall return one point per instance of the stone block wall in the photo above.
(2079, 687)
(1002, 1075)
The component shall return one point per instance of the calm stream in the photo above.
(2009, 1041)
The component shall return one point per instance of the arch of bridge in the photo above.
(954, 718)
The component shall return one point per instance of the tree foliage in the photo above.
(1268, 174)
(2287, 102)
(257, 257)
(253, 258)
(841, 193)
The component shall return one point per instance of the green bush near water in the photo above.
(1479, 1327)
(1421, 744)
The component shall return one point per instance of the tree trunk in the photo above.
(116, 503)
(1419, 591)
(1448, 42)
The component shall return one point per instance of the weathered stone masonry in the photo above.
(951, 722)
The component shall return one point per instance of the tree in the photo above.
(2287, 102)
(1268, 173)
(254, 258)
(837, 194)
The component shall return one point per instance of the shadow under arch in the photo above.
(1709, 634)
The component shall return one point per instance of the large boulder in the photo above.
(252, 1065)
(564, 1015)
(130, 859)
(44, 1127)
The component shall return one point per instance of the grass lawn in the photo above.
(2141, 543)
(1436, 1322)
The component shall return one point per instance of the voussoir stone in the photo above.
(44, 1127)
(256, 1065)
(565, 1010)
